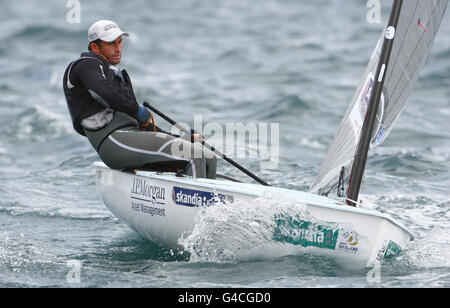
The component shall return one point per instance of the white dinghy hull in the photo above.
(164, 208)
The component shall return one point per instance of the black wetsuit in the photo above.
(103, 108)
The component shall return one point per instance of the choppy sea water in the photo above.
(291, 62)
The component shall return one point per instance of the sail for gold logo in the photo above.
(349, 242)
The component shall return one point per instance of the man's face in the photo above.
(111, 52)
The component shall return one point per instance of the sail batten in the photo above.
(418, 24)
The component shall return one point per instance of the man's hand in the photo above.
(196, 137)
(143, 116)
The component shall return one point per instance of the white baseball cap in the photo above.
(105, 30)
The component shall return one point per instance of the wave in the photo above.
(37, 124)
(63, 192)
(230, 234)
(58, 213)
(412, 165)
(422, 211)
(431, 251)
(425, 263)
(245, 232)
(3, 150)
(44, 33)
(275, 109)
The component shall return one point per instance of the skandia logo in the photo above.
(196, 198)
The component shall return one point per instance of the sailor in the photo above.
(103, 108)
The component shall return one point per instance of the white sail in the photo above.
(415, 34)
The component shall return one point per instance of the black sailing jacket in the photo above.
(91, 85)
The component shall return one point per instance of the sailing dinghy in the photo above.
(330, 221)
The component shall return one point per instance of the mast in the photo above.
(359, 163)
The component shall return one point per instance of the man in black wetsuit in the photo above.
(103, 108)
